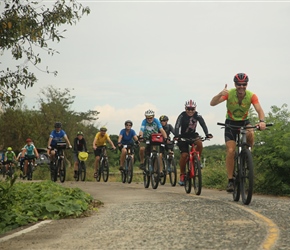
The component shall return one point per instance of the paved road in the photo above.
(137, 218)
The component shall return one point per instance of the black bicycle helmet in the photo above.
(80, 133)
(57, 125)
(129, 121)
(163, 118)
(241, 77)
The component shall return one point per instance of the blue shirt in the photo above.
(127, 139)
(150, 128)
(56, 137)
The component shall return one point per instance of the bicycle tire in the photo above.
(163, 178)
(105, 170)
(62, 171)
(146, 173)
(130, 170)
(54, 169)
(247, 176)
(155, 173)
(236, 179)
(77, 176)
(172, 171)
(100, 171)
(83, 171)
(123, 175)
(187, 179)
(197, 179)
(29, 171)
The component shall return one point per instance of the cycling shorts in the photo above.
(231, 134)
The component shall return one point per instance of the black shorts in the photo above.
(184, 145)
(98, 151)
(231, 134)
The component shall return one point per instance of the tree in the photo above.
(24, 26)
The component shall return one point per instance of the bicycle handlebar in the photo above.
(246, 127)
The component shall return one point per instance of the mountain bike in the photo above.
(169, 165)
(103, 165)
(127, 172)
(244, 167)
(57, 167)
(152, 161)
(82, 171)
(10, 171)
(30, 167)
(193, 176)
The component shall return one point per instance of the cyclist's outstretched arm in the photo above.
(220, 97)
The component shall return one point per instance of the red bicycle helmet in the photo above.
(241, 77)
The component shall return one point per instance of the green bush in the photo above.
(29, 202)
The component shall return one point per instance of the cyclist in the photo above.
(9, 157)
(80, 145)
(99, 142)
(29, 152)
(126, 137)
(168, 129)
(20, 159)
(149, 126)
(185, 127)
(239, 101)
(56, 135)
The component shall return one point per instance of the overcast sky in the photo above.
(130, 56)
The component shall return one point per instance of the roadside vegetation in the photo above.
(22, 203)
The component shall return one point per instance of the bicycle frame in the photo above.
(127, 173)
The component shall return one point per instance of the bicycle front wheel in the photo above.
(62, 170)
(53, 171)
(130, 171)
(146, 173)
(29, 171)
(163, 172)
(247, 176)
(105, 170)
(155, 173)
(187, 179)
(171, 168)
(236, 178)
(197, 179)
(83, 171)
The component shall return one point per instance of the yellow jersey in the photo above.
(101, 140)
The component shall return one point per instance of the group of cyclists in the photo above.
(238, 102)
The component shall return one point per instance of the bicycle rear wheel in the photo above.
(105, 170)
(146, 172)
(83, 171)
(187, 179)
(247, 176)
(130, 171)
(236, 178)
(197, 179)
(163, 170)
(62, 170)
(171, 168)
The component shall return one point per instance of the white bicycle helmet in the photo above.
(190, 104)
(149, 112)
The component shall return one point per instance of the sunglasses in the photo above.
(190, 109)
(103, 130)
(149, 117)
(128, 124)
(163, 121)
(241, 84)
